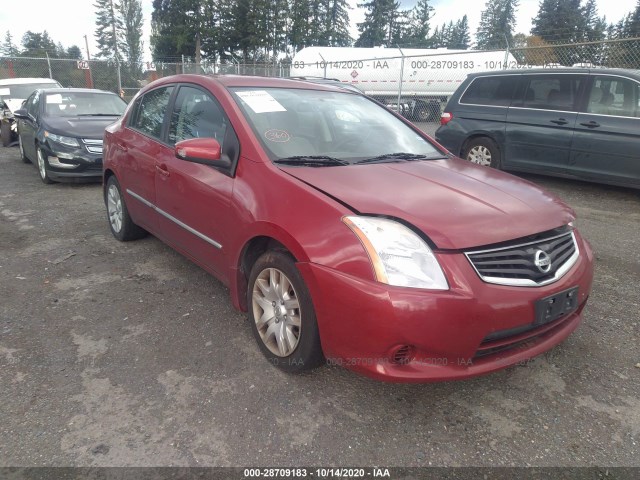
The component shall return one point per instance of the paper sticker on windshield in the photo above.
(260, 101)
(55, 98)
(5, 92)
(279, 136)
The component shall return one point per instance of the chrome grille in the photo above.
(93, 145)
(523, 265)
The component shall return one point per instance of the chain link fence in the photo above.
(414, 83)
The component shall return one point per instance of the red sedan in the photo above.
(347, 234)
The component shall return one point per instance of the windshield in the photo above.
(24, 90)
(328, 128)
(79, 104)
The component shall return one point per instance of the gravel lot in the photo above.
(128, 354)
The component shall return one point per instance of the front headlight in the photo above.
(399, 256)
(68, 141)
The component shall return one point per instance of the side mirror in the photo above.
(205, 151)
(21, 113)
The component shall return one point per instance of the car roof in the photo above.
(563, 70)
(26, 81)
(230, 81)
(74, 90)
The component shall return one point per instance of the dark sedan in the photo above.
(61, 130)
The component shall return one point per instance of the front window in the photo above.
(306, 125)
(83, 104)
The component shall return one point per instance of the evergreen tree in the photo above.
(130, 13)
(497, 23)
(175, 24)
(300, 27)
(36, 44)
(108, 28)
(8, 47)
(559, 21)
(419, 25)
(337, 24)
(73, 52)
(632, 23)
(460, 36)
(379, 23)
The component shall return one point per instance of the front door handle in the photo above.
(560, 121)
(162, 170)
(590, 124)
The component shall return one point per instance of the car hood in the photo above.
(13, 103)
(84, 127)
(458, 205)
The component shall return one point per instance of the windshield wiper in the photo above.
(400, 157)
(312, 161)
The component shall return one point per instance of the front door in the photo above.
(606, 144)
(28, 127)
(193, 199)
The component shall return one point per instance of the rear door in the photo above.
(606, 144)
(540, 122)
(140, 144)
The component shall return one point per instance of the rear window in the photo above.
(496, 91)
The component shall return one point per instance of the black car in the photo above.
(61, 130)
(568, 122)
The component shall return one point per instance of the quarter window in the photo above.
(496, 91)
(614, 96)
(151, 110)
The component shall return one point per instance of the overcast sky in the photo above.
(67, 21)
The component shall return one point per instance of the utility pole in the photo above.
(115, 45)
(90, 79)
(198, 56)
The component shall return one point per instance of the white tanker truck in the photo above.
(416, 82)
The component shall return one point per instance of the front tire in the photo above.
(120, 223)
(482, 151)
(42, 167)
(281, 313)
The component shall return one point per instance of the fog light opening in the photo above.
(402, 354)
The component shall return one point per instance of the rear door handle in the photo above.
(162, 170)
(590, 124)
(560, 121)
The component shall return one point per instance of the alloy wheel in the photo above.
(480, 155)
(276, 311)
(114, 208)
(42, 167)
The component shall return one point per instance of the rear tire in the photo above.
(120, 223)
(281, 313)
(426, 111)
(482, 151)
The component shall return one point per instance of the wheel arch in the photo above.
(251, 250)
(476, 135)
